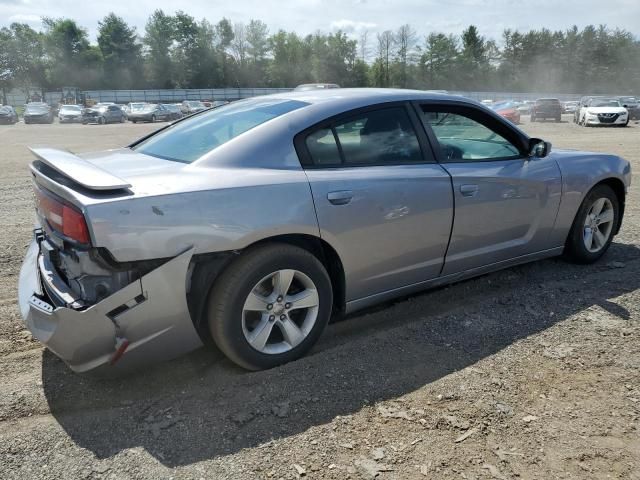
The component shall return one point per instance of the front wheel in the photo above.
(594, 225)
(270, 306)
(153, 119)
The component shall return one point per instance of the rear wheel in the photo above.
(594, 225)
(270, 306)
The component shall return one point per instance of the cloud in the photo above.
(26, 18)
(351, 26)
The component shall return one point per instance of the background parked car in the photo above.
(632, 104)
(70, 113)
(315, 86)
(37, 112)
(507, 110)
(104, 114)
(192, 106)
(8, 115)
(525, 107)
(546, 108)
(174, 110)
(151, 113)
(605, 112)
(569, 107)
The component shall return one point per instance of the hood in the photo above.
(607, 109)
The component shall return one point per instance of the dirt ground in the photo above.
(531, 373)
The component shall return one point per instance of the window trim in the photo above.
(491, 120)
(300, 145)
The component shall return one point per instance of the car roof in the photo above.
(348, 96)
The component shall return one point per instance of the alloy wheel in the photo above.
(280, 311)
(598, 225)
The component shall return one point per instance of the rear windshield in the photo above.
(190, 139)
(548, 101)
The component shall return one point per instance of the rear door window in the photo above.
(378, 137)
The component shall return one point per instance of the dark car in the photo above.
(8, 115)
(632, 104)
(104, 114)
(546, 108)
(174, 110)
(37, 112)
(151, 113)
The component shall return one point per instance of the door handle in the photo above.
(341, 197)
(468, 190)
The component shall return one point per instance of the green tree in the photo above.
(121, 52)
(72, 60)
(158, 38)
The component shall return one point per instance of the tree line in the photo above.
(178, 51)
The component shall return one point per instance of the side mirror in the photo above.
(539, 148)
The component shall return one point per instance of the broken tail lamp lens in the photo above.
(62, 217)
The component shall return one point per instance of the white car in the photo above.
(603, 111)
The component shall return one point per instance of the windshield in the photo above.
(605, 103)
(5, 109)
(195, 104)
(146, 108)
(36, 108)
(190, 139)
(137, 106)
(629, 100)
(70, 108)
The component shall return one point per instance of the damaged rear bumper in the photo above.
(146, 321)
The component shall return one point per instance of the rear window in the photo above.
(548, 101)
(190, 139)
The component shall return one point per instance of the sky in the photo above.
(351, 16)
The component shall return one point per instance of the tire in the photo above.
(134, 121)
(153, 119)
(123, 119)
(102, 121)
(559, 119)
(576, 247)
(229, 322)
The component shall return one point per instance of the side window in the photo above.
(462, 138)
(377, 137)
(383, 136)
(323, 147)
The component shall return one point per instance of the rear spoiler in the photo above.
(80, 171)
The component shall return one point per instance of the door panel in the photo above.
(389, 224)
(511, 210)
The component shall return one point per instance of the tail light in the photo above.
(62, 217)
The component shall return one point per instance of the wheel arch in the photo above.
(618, 188)
(206, 268)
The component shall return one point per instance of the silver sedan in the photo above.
(254, 223)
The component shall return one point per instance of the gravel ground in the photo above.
(531, 373)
